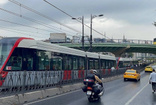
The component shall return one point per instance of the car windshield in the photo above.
(6, 45)
(130, 71)
(148, 67)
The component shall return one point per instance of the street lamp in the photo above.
(92, 17)
(82, 21)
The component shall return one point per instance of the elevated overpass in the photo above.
(115, 48)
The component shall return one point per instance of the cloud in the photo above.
(130, 18)
(116, 29)
(112, 23)
(3, 2)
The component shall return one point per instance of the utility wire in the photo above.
(23, 30)
(24, 25)
(28, 26)
(58, 8)
(15, 31)
(73, 17)
(26, 18)
(34, 11)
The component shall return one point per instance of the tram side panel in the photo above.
(35, 74)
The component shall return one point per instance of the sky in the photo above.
(132, 19)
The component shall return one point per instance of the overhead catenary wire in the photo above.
(23, 30)
(38, 29)
(26, 18)
(73, 17)
(24, 25)
(15, 31)
(36, 12)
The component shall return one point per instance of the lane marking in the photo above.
(51, 97)
(136, 95)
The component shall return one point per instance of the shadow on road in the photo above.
(96, 103)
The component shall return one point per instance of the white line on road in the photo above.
(136, 95)
(51, 97)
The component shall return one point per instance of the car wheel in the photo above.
(125, 79)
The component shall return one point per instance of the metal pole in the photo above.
(91, 33)
(83, 33)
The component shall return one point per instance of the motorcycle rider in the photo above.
(97, 77)
(98, 86)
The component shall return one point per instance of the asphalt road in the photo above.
(117, 92)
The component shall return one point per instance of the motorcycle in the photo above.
(93, 91)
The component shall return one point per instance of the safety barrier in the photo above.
(26, 81)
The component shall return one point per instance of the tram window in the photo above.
(56, 63)
(111, 64)
(41, 63)
(30, 63)
(103, 65)
(107, 64)
(75, 63)
(44, 60)
(120, 65)
(91, 64)
(81, 63)
(5, 48)
(67, 63)
(14, 63)
(96, 64)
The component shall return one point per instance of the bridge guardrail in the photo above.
(132, 41)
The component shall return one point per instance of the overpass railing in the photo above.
(134, 41)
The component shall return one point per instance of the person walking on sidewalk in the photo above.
(152, 80)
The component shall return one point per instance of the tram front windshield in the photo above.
(6, 45)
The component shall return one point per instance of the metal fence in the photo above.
(23, 81)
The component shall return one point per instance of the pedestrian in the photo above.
(152, 80)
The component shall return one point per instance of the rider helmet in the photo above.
(94, 71)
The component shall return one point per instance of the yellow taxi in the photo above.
(148, 68)
(131, 74)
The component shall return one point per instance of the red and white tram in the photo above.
(25, 61)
